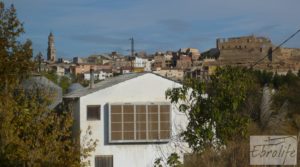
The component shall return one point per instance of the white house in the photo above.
(142, 63)
(139, 62)
(98, 75)
(58, 69)
(132, 119)
(148, 65)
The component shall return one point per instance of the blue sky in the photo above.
(84, 27)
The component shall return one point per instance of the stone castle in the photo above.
(245, 51)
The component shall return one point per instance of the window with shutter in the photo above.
(141, 130)
(116, 122)
(164, 122)
(149, 122)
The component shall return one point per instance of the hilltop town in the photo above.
(238, 51)
(234, 104)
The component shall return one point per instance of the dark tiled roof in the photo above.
(102, 85)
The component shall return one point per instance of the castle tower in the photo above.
(51, 52)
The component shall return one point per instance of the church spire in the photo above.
(51, 52)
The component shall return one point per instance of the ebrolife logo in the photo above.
(273, 150)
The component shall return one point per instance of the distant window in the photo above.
(104, 161)
(93, 112)
(140, 122)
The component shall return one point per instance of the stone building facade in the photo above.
(243, 51)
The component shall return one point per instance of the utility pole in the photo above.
(132, 46)
(132, 52)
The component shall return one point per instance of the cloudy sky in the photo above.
(84, 27)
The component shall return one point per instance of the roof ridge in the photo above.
(103, 84)
(109, 83)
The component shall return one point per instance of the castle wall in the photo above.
(245, 51)
(248, 42)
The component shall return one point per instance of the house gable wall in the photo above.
(145, 88)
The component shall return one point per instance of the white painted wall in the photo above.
(98, 75)
(148, 65)
(139, 62)
(145, 88)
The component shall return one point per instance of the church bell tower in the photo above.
(51, 52)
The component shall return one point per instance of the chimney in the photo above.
(92, 84)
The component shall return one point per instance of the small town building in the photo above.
(99, 75)
(131, 118)
(174, 74)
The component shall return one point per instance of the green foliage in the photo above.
(157, 162)
(51, 75)
(33, 135)
(30, 133)
(173, 160)
(213, 108)
(15, 57)
(289, 92)
(290, 78)
(64, 82)
(277, 81)
(263, 77)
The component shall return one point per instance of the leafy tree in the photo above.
(64, 83)
(51, 75)
(277, 81)
(213, 108)
(33, 135)
(264, 77)
(290, 78)
(30, 133)
(15, 57)
(289, 92)
(38, 61)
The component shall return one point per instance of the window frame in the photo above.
(147, 140)
(104, 156)
(99, 112)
